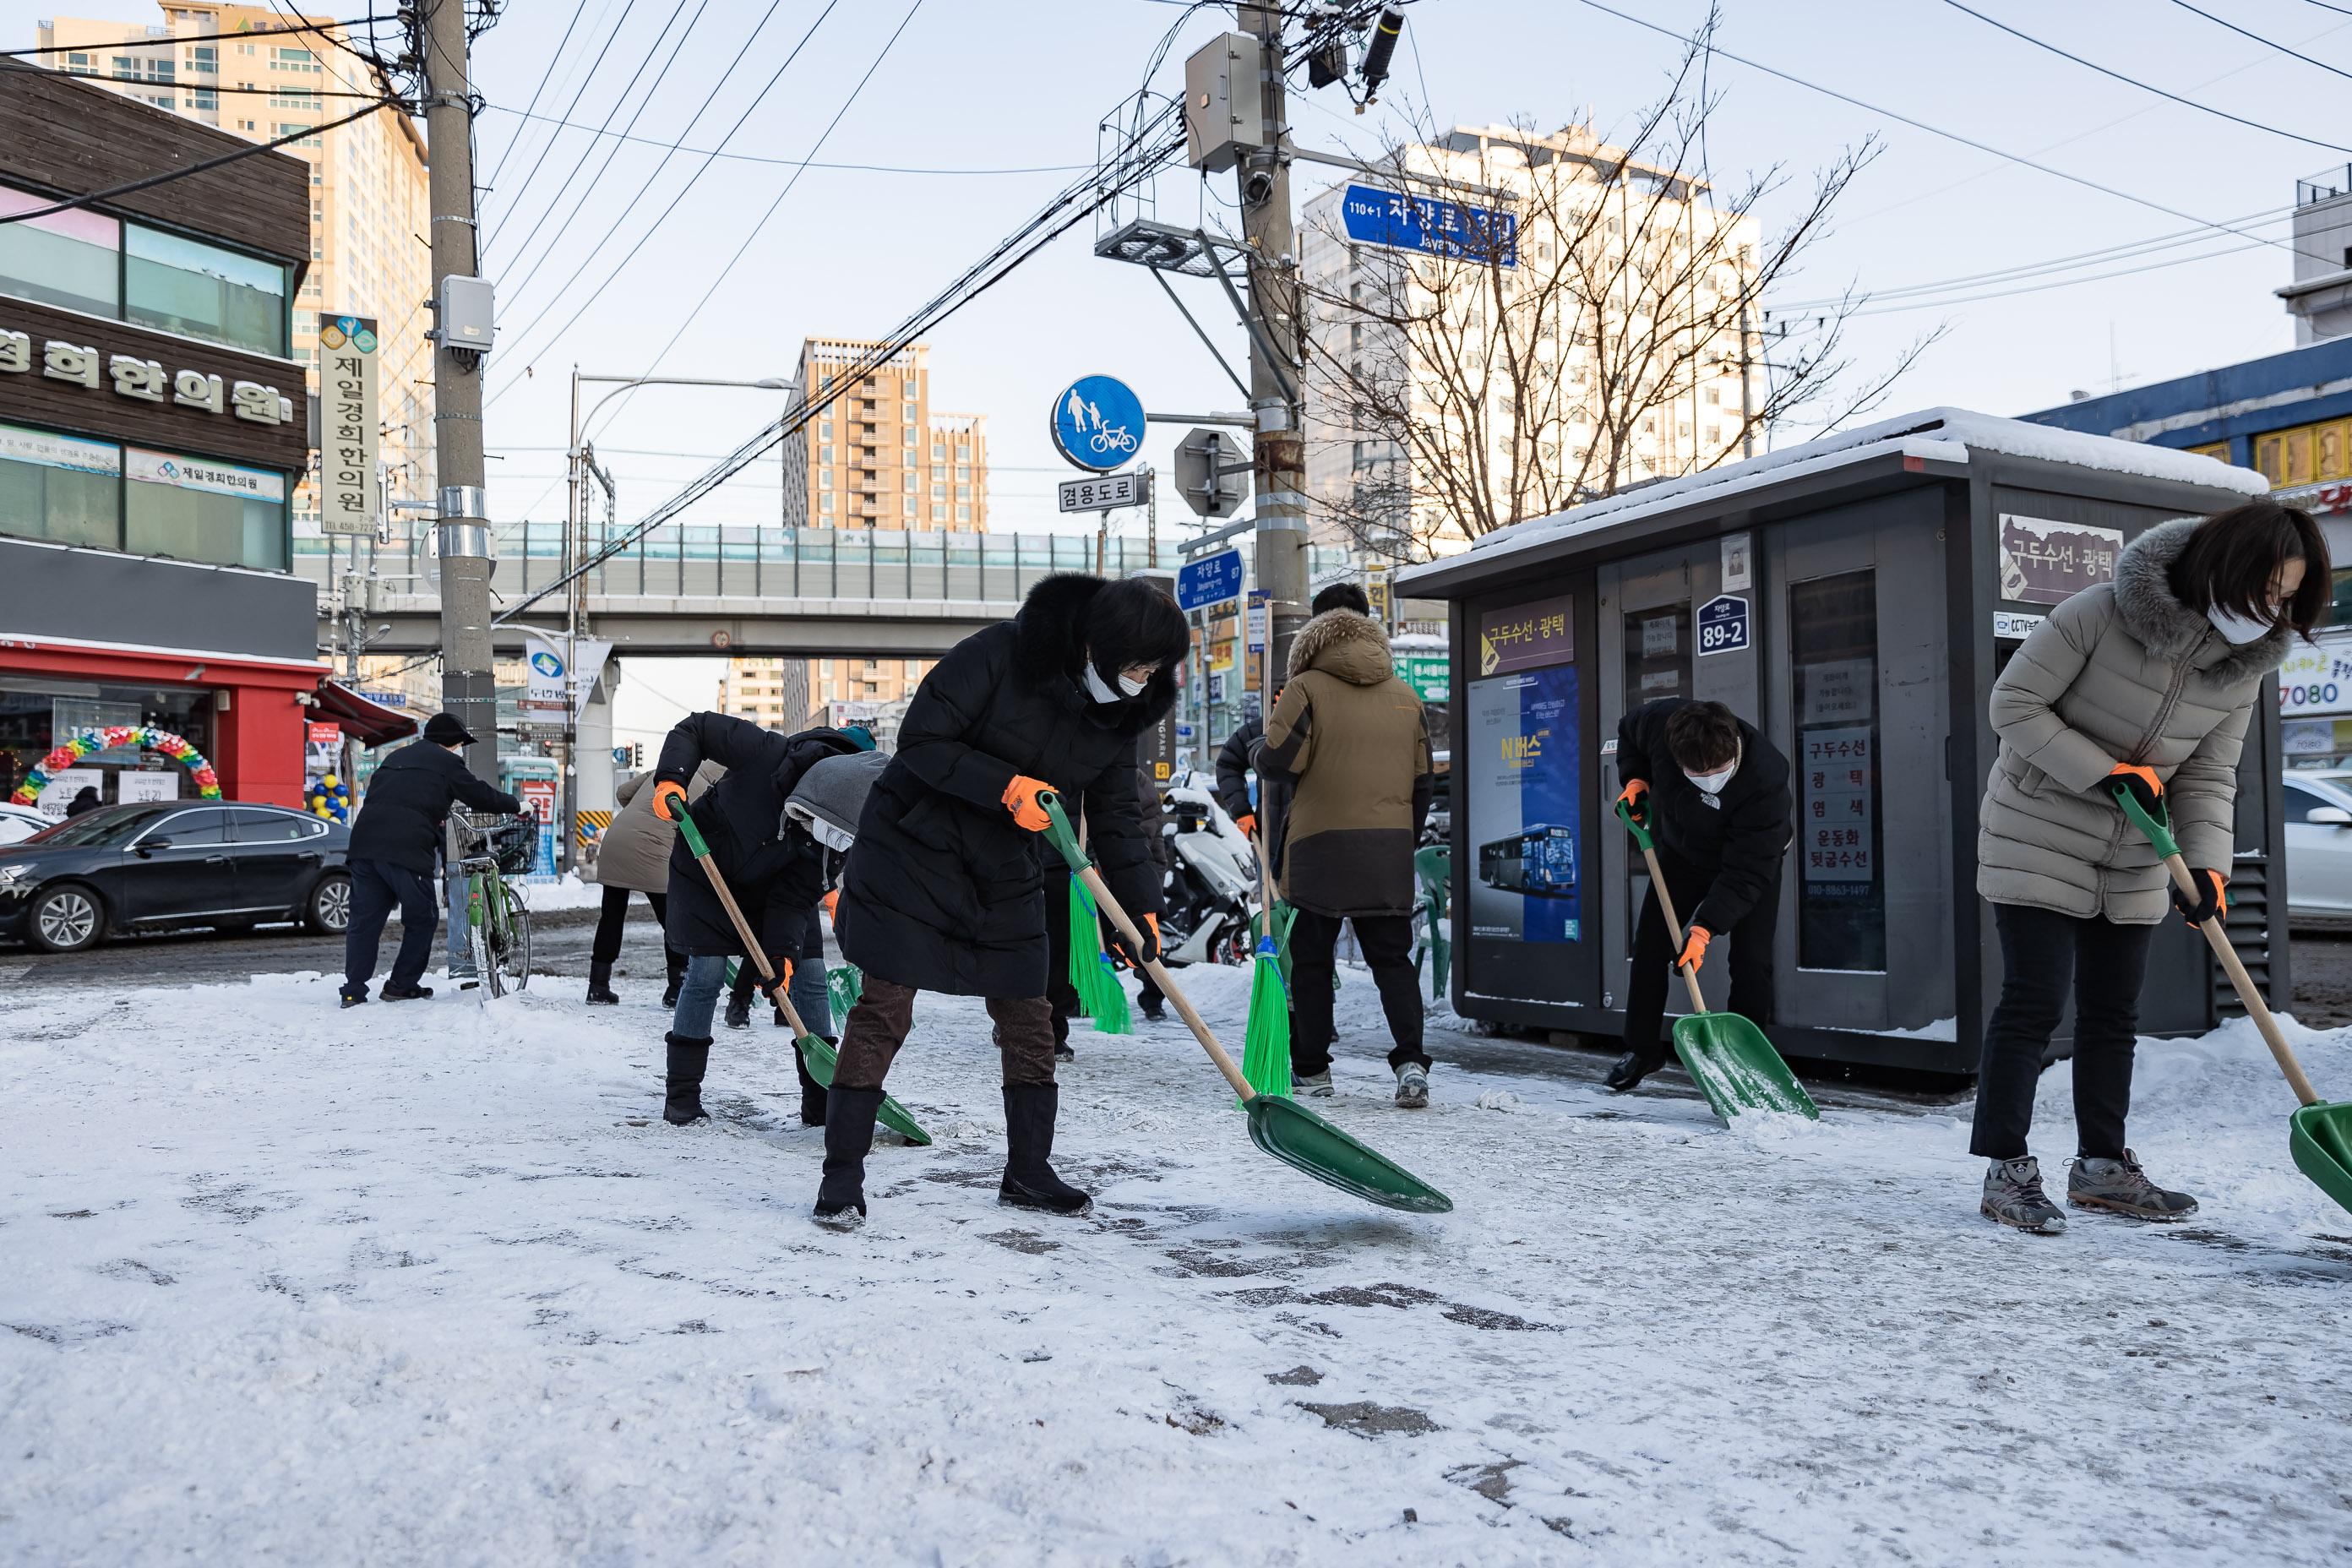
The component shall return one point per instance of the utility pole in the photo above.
(1746, 403)
(1280, 454)
(468, 687)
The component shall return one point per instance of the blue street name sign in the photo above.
(1723, 625)
(1098, 423)
(1374, 217)
(1211, 579)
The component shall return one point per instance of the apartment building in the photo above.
(787, 693)
(240, 68)
(1605, 253)
(877, 455)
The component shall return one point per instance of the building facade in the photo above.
(154, 427)
(241, 69)
(877, 455)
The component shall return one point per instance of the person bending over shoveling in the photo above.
(1715, 794)
(944, 888)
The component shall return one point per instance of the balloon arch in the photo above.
(172, 746)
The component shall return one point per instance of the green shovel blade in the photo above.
(1737, 1067)
(1298, 1138)
(2320, 1139)
(821, 1056)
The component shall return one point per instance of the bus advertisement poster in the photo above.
(1524, 788)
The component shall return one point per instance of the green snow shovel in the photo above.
(1726, 1055)
(819, 1056)
(2319, 1135)
(1283, 1128)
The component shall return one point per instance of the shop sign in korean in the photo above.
(2044, 561)
(1526, 636)
(140, 380)
(346, 431)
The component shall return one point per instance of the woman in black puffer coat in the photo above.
(945, 889)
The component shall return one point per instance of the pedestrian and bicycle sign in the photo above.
(1103, 494)
(1211, 579)
(1098, 423)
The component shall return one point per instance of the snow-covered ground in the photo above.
(433, 1283)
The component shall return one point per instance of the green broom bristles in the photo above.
(1092, 976)
(1265, 1054)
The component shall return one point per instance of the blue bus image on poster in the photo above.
(1525, 793)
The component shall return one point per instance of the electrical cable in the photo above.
(1934, 130)
(545, 76)
(788, 163)
(154, 180)
(2130, 81)
(2055, 283)
(167, 43)
(515, 204)
(2266, 43)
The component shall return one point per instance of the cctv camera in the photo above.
(1257, 186)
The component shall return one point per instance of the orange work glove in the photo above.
(2210, 901)
(833, 904)
(669, 801)
(1124, 949)
(1695, 941)
(784, 968)
(1247, 823)
(2146, 787)
(1635, 799)
(1020, 799)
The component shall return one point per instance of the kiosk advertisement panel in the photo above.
(1523, 782)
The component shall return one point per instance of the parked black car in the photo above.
(164, 863)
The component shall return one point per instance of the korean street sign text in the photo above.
(1833, 825)
(1255, 632)
(1375, 216)
(1723, 625)
(2044, 563)
(347, 453)
(1109, 490)
(1211, 579)
(143, 379)
(1523, 636)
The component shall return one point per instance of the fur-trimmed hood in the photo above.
(1345, 644)
(2170, 629)
(1049, 651)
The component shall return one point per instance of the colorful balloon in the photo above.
(113, 738)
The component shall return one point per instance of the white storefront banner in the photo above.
(64, 784)
(22, 446)
(544, 700)
(2317, 679)
(199, 474)
(147, 786)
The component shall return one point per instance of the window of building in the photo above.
(963, 473)
(185, 286)
(938, 514)
(824, 503)
(911, 414)
(1841, 900)
(193, 508)
(824, 430)
(963, 492)
(825, 478)
(963, 451)
(939, 451)
(825, 668)
(203, 59)
(78, 65)
(909, 442)
(67, 259)
(939, 492)
(963, 514)
(824, 454)
(907, 506)
(56, 488)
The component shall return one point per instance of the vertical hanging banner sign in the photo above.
(348, 357)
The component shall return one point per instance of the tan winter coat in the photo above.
(2120, 673)
(1353, 741)
(635, 853)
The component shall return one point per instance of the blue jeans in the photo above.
(697, 999)
(376, 887)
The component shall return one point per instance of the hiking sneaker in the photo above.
(2013, 1196)
(1412, 1087)
(2121, 1185)
(1313, 1085)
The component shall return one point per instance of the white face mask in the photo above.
(1712, 784)
(1098, 688)
(2237, 628)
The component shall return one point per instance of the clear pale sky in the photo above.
(971, 87)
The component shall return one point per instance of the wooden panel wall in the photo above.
(29, 397)
(73, 138)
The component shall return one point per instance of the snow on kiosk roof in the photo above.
(1854, 598)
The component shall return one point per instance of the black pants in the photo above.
(1387, 941)
(1061, 996)
(615, 914)
(884, 1013)
(1750, 958)
(2042, 952)
(376, 887)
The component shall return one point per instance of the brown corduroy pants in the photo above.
(879, 1025)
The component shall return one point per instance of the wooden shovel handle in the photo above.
(1200, 1032)
(1674, 926)
(751, 945)
(2253, 999)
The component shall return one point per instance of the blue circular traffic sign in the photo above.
(1098, 423)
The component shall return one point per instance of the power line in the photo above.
(1936, 129)
(514, 204)
(2266, 43)
(2059, 282)
(784, 163)
(2131, 82)
(169, 42)
(544, 77)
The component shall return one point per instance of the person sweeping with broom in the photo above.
(2150, 679)
(945, 889)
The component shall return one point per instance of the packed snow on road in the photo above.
(435, 1283)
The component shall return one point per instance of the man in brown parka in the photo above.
(1352, 741)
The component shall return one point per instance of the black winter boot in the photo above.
(849, 1138)
(676, 962)
(689, 1059)
(1029, 1181)
(811, 1093)
(739, 1011)
(599, 986)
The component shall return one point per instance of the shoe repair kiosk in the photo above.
(1853, 598)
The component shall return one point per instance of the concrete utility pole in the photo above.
(468, 687)
(1280, 458)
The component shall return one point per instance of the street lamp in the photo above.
(578, 456)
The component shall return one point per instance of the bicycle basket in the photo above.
(513, 842)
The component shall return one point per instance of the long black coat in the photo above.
(1740, 837)
(407, 804)
(776, 871)
(944, 891)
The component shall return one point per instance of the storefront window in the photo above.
(67, 259)
(57, 488)
(1657, 654)
(193, 509)
(1841, 896)
(182, 285)
(37, 712)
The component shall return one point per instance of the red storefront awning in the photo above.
(370, 723)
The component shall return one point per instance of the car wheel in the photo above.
(66, 919)
(330, 912)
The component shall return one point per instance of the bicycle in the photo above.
(497, 916)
